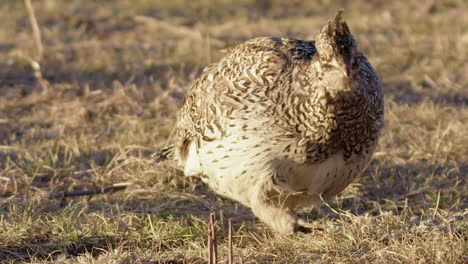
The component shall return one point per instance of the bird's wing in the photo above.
(238, 82)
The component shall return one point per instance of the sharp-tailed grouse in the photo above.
(278, 123)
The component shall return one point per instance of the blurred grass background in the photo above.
(117, 72)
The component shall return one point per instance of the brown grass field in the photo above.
(115, 73)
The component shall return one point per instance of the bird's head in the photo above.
(336, 46)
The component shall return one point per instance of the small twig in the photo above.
(105, 189)
(231, 252)
(35, 28)
(214, 244)
(210, 243)
(35, 63)
(38, 75)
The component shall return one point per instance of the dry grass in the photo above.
(118, 71)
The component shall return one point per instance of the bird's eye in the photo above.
(345, 41)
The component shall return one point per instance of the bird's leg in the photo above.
(272, 208)
(279, 219)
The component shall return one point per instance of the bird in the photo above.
(281, 124)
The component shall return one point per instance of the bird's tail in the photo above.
(335, 42)
(163, 154)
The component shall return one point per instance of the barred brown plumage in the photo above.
(278, 122)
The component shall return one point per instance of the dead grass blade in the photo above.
(105, 189)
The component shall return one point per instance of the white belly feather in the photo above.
(236, 168)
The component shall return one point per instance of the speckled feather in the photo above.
(277, 122)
